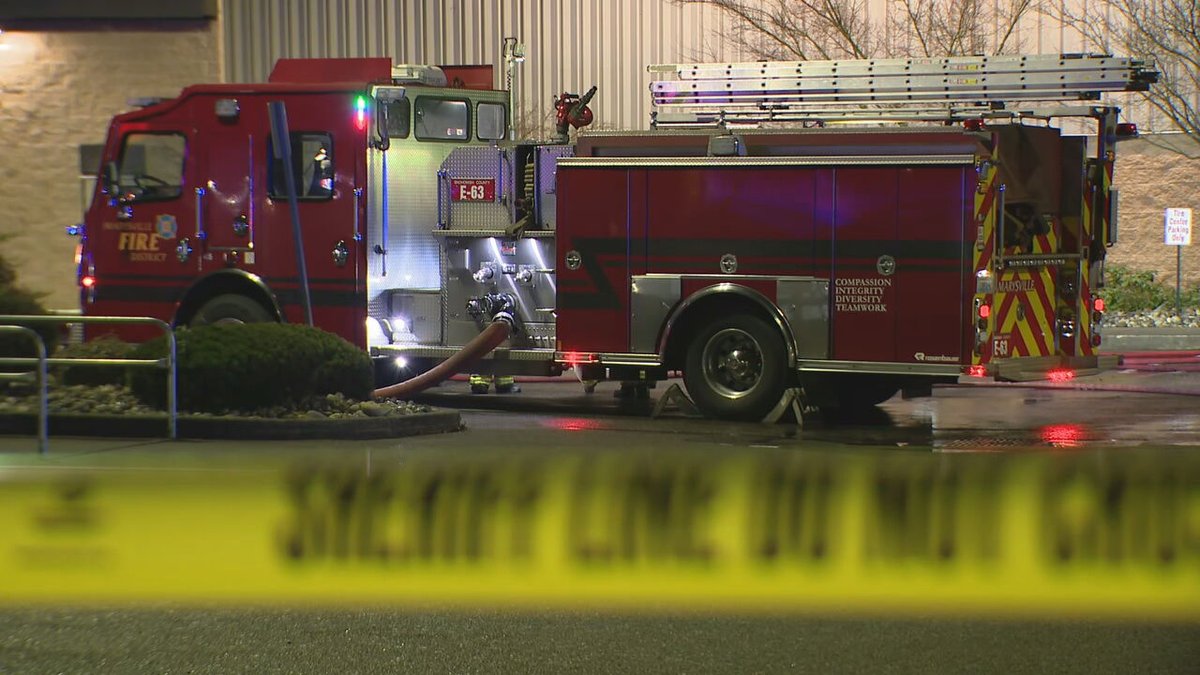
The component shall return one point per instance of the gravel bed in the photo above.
(18, 398)
(1161, 318)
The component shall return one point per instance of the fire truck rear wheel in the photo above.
(736, 368)
(230, 308)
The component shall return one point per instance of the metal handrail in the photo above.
(43, 423)
(170, 362)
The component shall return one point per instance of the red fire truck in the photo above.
(843, 229)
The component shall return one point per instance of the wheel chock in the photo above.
(791, 401)
(674, 395)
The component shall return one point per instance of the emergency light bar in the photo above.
(430, 76)
(144, 101)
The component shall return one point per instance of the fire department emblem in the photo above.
(886, 265)
(729, 263)
(165, 226)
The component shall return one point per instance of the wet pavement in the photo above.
(1152, 404)
(371, 640)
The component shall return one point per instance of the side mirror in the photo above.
(383, 141)
(111, 179)
(384, 99)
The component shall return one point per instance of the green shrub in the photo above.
(251, 366)
(1129, 290)
(16, 300)
(103, 347)
(8, 274)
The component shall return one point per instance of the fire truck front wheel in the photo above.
(230, 308)
(736, 368)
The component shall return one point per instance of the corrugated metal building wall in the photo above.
(571, 44)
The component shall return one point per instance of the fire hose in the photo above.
(491, 337)
(486, 341)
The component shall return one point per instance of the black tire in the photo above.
(736, 368)
(230, 308)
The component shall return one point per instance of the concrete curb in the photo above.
(239, 428)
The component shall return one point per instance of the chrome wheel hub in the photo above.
(733, 364)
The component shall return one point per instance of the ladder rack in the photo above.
(904, 89)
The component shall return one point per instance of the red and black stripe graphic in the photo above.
(332, 292)
(605, 261)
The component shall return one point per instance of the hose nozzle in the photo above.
(494, 307)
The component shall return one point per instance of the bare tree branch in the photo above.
(797, 29)
(1165, 31)
(956, 27)
(916, 15)
(1016, 10)
(827, 29)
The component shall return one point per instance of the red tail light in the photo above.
(577, 358)
(985, 311)
(1098, 304)
(1127, 130)
(87, 281)
(977, 371)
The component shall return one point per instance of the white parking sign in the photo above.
(1178, 227)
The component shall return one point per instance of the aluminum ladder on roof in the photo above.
(923, 89)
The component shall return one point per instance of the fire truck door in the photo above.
(862, 237)
(898, 264)
(151, 209)
(225, 202)
(934, 222)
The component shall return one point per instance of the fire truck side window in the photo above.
(439, 119)
(312, 166)
(151, 166)
(489, 121)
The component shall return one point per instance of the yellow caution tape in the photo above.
(1092, 536)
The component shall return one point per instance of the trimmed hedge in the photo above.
(251, 366)
(103, 347)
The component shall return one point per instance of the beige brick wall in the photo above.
(1152, 178)
(58, 90)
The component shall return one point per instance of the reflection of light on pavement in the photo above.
(1063, 435)
(574, 424)
(1061, 375)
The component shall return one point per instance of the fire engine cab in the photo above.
(843, 229)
